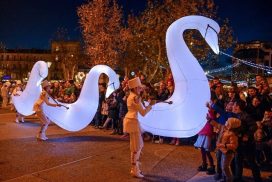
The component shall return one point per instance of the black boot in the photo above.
(217, 176)
(203, 167)
(211, 170)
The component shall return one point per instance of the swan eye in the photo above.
(112, 85)
(208, 26)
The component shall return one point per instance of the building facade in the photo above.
(17, 64)
(255, 52)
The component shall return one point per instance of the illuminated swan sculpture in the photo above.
(187, 115)
(24, 103)
(81, 113)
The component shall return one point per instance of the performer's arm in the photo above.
(48, 103)
(143, 111)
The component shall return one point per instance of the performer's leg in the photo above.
(17, 117)
(22, 117)
(136, 144)
(45, 122)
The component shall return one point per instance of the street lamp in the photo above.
(49, 64)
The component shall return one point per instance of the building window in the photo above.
(7, 57)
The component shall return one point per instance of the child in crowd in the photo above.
(227, 144)
(204, 143)
(259, 136)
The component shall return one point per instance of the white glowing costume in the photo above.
(81, 113)
(24, 103)
(186, 116)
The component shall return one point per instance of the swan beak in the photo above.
(109, 91)
(212, 39)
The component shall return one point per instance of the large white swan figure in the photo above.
(24, 103)
(81, 113)
(187, 115)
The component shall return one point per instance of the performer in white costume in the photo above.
(132, 126)
(17, 92)
(39, 110)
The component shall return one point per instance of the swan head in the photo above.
(113, 83)
(42, 69)
(112, 86)
(209, 30)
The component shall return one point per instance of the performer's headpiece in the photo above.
(45, 83)
(135, 82)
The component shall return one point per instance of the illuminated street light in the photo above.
(49, 64)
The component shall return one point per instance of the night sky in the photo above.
(32, 23)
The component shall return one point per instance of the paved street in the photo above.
(88, 155)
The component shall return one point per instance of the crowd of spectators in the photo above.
(251, 105)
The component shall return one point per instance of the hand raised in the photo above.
(152, 102)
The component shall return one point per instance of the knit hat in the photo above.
(233, 123)
(135, 82)
(45, 83)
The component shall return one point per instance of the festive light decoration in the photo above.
(24, 103)
(81, 113)
(248, 63)
(80, 76)
(223, 69)
(187, 115)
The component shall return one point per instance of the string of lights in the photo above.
(248, 63)
(223, 69)
(238, 63)
(222, 80)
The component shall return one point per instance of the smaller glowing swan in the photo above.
(81, 113)
(186, 116)
(24, 103)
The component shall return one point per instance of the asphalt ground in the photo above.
(89, 155)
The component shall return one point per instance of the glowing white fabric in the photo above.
(81, 113)
(24, 103)
(187, 115)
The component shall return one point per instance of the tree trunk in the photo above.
(153, 74)
(158, 62)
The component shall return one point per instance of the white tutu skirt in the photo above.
(205, 142)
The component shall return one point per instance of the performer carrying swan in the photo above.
(39, 110)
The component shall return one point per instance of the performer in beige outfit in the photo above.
(39, 111)
(132, 126)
